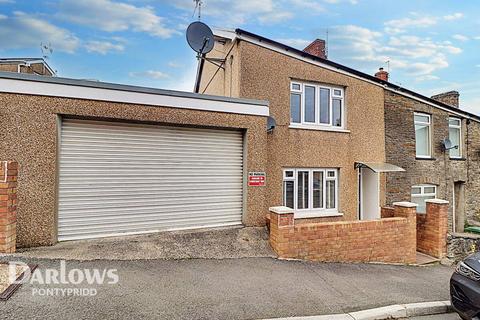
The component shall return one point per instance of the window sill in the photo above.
(317, 127)
(458, 159)
(425, 158)
(305, 215)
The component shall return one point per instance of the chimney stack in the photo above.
(317, 48)
(451, 98)
(382, 74)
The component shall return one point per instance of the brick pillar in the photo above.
(8, 206)
(408, 210)
(433, 240)
(282, 230)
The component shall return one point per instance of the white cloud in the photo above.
(417, 56)
(22, 30)
(478, 66)
(153, 74)
(295, 42)
(414, 22)
(6, 1)
(454, 16)
(460, 37)
(234, 13)
(339, 1)
(103, 47)
(308, 4)
(112, 16)
(427, 77)
(175, 64)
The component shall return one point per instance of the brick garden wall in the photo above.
(432, 229)
(391, 240)
(8, 206)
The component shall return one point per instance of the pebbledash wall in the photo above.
(440, 170)
(30, 127)
(255, 71)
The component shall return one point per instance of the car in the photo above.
(465, 288)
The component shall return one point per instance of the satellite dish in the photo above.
(271, 124)
(200, 37)
(447, 144)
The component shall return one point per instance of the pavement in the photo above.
(450, 316)
(246, 288)
(220, 243)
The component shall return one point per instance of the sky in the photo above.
(429, 46)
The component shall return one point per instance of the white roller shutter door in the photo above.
(117, 178)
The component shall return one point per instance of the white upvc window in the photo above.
(316, 106)
(423, 132)
(311, 192)
(421, 193)
(455, 136)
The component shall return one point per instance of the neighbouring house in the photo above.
(98, 159)
(36, 66)
(415, 130)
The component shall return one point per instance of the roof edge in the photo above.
(393, 87)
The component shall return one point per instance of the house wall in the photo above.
(218, 81)
(34, 68)
(441, 170)
(29, 136)
(265, 74)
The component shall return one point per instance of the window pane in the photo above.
(288, 187)
(422, 140)
(318, 189)
(309, 104)
(337, 92)
(331, 194)
(295, 86)
(416, 190)
(295, 106)
(289, 174)
(422, 118)
(302, 180)
(331, 174)
(429, 190)
(337, 112)
(324, 105)
(454, 135)
(454, 122)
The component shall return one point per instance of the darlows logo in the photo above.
(77, 280)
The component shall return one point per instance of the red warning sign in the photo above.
(256, 179)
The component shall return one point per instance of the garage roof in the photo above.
(95, 90)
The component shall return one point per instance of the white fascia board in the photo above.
(131, 97)
(326, 66)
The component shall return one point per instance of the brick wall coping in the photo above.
(281, 210)
(346, 222)
(465, 235)
(437, 201)
(405, 204)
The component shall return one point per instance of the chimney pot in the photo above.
(317, 48)
(382, 74)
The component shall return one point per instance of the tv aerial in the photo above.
(47, 50)
(447, 144)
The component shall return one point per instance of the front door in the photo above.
(369, 189)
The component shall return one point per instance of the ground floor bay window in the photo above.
(311, 192)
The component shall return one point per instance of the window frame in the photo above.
(311, 212)
(460, 137)
(332, 96)
(429, 124)
(422, 193)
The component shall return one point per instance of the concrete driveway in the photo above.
(248, 288)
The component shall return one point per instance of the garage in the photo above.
(128, 178)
